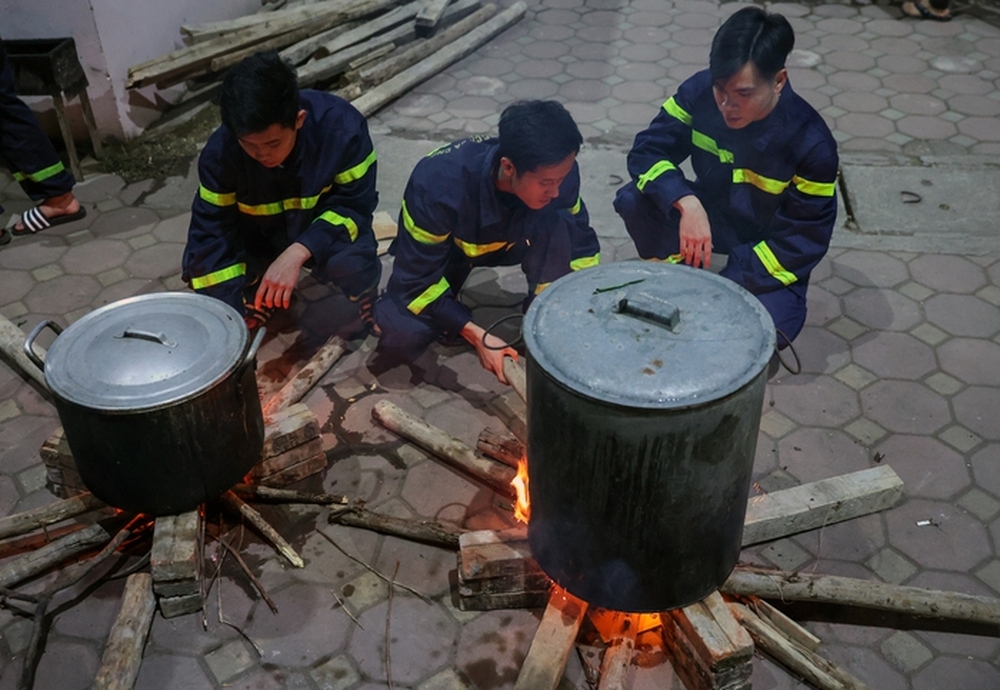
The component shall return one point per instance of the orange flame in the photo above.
(522, 507)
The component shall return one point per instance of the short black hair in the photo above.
(534, 134)
(259, 92)
(751, 35)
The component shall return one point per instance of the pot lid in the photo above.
(651, 335)
(146, 352)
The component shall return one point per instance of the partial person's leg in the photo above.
(787, 308)
(653, 233)
(355, 268)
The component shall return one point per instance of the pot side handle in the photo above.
(29, 342)
(248, 358)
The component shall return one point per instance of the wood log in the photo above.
(52, 554)
(267, 493)
(391, 89)
(375, 54)
(29, 520)
(831, 589)
(305, 49)
(123, 652)
(12, 345)
(445, 447)
(282, 40)
(429, 15)
(367, 30)
(234, 503)
(514, 373)
(824, 502)
(496, 571)
(618, 654)
(820, 672)
(459, 13)
(502, 446)
(307, 377)
(543, 667)
(328, 67)
(426, 531)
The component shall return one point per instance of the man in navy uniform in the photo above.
(483, 201)
(765, 166)
(287, 181)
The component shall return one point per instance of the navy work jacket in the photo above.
(773, 182)
(453, 217)
(321, 196)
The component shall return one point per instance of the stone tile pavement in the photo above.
(900, 360)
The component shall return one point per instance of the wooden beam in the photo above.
(307, 377)
(831, 589)
(201, 32)
(123, 652)
(824, 502)
(330, 66)
(546, 661)
(303, 50)
(429, 15)
(53, 553)
(784, 624)
(367, 30)
(391, 89)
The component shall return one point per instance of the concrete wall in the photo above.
(111, 36)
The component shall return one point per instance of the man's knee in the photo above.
(400, 330)
(653, 232)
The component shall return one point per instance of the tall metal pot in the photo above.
(158, 399)
(645, 388)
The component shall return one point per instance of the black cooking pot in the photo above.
(158, 399)
(645, 387)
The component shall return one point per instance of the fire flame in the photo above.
(522, 507)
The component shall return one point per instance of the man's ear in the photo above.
(780, 79)
(300, 119)
(507, 168)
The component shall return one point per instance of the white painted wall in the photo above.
(111, 36)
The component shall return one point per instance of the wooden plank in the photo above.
(543, 667)
(200, 32)
(513, 371)
(330, 66)
(391, 89)
(489, 601)
(172, 607)
(824, 502)
(367, 30)
(123, 652)
(303, 50)
(710, 641)
(176, 552)
(289, 428)
(296, 473)
(785, 625)
(739, 639)
(429, 15)
(291, 457)
(282, 40)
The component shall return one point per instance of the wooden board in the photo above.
(171, 607)
(290, 427)
(311, 465)
(543, 667)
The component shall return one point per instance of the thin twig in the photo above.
(218, 597)
(343, 605)
(253, 579)
(365, 565)
(388, 639)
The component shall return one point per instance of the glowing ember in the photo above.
(522, 508)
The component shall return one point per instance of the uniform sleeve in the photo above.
(214, 257)
(658, 151)
(422, 246)
(348, 207)
(798, 235)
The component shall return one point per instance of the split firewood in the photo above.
(234, 503)
(618, 654)
(822, 673)
(546, 661)
(53, 553)
(709, 648)
(364, 79)
(786, 625)
(445, 447)
(824, 502)
(123, 652)
(21, 523)
(514, 373)
(502, 446)
(391, 89)
(268, 493)
(426, 531)
(831, 589)
(12, 345)
(307, 377)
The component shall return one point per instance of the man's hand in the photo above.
(695, 232)
(279, 281)
(491, 353)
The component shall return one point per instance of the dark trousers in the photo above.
(656, 236)
(24, 146)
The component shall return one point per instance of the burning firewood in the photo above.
(618, 655)
(502, 446)
(543, 667)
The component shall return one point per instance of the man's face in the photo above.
(746, 96)
(270, 147)
(540, 186)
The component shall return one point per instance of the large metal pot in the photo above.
(158, 399)
(645, 388)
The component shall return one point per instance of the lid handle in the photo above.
(160, 338)
(649, 307)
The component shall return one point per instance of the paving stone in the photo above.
(485, 655)
(973, 409)
(895, 355)
(951, 540)
(436, 491)
(95, 256)
(229, 660)
(775, 424)
(980, 504)
(946, 672)
(963, 315)
(947, 273)
(882, 309)
(63, 294)
(824, 403)
(904, 406)
(928, 468)
(811, 454)
(891, 566)
(932, 335)
(78, 664)
(854, 376)
(906, 652)
(336, 674)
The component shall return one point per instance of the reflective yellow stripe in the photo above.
(418, 233)
(670, 105)
(473, 250)
(274, 208)
(772, 264)
(585, 262)
(215, 198)
(706, 143)
(766, 184)
(658, 169)
(40, 175)
(814, 188)
(220, 276)
(575, 208)
(540, 287)
(334, 218)
(357, 172)
(428, 296)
